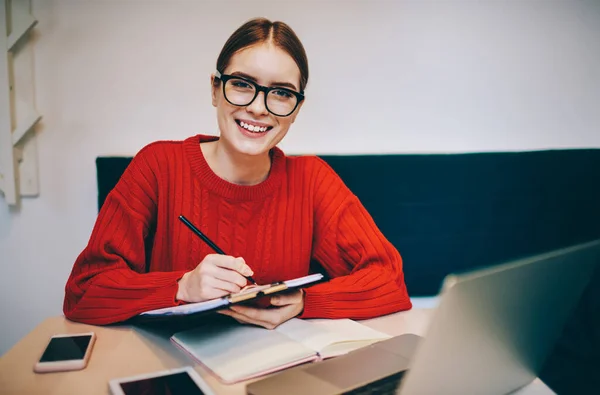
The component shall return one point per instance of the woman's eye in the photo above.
(240, 84)
(281, 93)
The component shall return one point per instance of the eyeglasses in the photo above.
(240, 91)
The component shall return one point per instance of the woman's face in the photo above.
(251, 129)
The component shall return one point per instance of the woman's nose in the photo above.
(258, 105)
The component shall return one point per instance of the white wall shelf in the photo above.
(18, 117)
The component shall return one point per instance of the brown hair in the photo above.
(259, 30)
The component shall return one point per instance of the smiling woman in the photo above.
(258, 91)
(274, 215)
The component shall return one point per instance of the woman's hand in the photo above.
(287, 306)
(216, 276)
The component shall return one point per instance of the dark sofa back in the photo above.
(454, 212)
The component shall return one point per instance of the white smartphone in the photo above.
(174, 381)
(64, 352)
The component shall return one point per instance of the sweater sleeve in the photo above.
(366, 273)
(108, 282)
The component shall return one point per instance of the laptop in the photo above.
(490, 334)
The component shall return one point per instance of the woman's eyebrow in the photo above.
(285, 85)
(248, 76)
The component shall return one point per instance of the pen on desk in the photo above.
(207, 241)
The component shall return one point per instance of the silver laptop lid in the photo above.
(495, 327)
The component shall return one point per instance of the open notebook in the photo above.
(236, 352)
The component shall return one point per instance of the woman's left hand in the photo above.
(287, 307)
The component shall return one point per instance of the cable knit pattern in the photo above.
(301, 213)
(243, 218)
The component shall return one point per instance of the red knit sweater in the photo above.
(302, 212)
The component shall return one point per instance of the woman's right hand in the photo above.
(216, 276)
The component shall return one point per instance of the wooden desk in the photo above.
(127, 351)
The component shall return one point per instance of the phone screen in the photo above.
(66, 348)
(172, 384)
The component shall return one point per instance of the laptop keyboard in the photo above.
(385, 386)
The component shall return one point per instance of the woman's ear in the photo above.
(213, 90)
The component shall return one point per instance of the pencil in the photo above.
(208, 241)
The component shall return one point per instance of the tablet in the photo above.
(173, 382)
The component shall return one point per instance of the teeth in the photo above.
(253, 128)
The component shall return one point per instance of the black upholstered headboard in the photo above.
(454, 212)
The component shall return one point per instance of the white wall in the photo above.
(421, 76)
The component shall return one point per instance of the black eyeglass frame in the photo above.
(258, 88)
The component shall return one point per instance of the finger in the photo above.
(244, 319)
(231, 263)
(272, 316)
(223, 286)
(231, 314)
(241, 321)
(286, 299)
(229, 276)
(226, 312)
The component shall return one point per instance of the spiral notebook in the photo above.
(236, 352)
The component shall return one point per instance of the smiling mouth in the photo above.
(253, 128)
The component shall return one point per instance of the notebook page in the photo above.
(188, 308)
(304, 280)
(331, 337)
(237, 352)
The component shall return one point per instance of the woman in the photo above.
(273, 214)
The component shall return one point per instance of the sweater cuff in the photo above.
(316, 305)
(166, 291)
